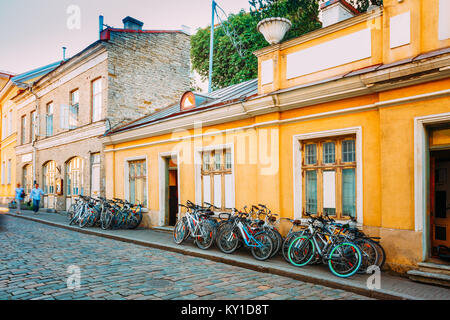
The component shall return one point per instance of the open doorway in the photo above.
(440, 205)
(169, 191)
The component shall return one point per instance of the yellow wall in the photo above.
(8, 144)
(424, 38)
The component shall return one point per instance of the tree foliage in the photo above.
(362, 5)
(228, 66)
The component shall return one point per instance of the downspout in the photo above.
(34, 136)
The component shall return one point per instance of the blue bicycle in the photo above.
(242, 230)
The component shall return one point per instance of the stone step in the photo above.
(434, 268)
(164, 229)
(430, 277)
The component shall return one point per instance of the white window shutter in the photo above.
(64, 117)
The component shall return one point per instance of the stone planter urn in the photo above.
(274, 29)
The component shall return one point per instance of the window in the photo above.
(95, 174)
(23, 132)
(9, 171)
(33, 125)
(49, 175)
(49, 120)
(4, 127)
(137, 177)
(217, 178)
(96, 100)
(3, 172)
(73, 109)
(27, 178)
(329, 177)
(10, 124)
(74, 183)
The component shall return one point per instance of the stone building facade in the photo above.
(125, 75)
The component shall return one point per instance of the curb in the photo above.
(380, 294)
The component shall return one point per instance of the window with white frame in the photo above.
(217, 179)
(74, 179)
(73, 109)
(96, 100)
(49, 120)
(3, 171)
(23, 133)
(27, 178)
(49, 177)
(10, 123)
(95, 174)
(137, 179)
(9, 171)
(329, 176)
(32, 125)
(4, 123)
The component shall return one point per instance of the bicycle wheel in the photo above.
(71, 212)
(180, 230)
(381, 254)
(287, 242)
(136, 220)
(301, 251)
(207, 235)
(264, 251)
(107, 221)
(228, 239)
(345, 259)
(369, 254)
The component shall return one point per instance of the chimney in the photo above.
(132, 23)
(334, 11)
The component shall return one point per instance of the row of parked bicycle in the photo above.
(104, 213)
(343, 247)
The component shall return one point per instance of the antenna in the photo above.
(229, 31)
(64, 53)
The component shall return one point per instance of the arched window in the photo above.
(27, 178)
(74, 183)
(49, 176)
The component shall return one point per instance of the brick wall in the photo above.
(146, 71)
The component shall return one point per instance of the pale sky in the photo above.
(33, 32)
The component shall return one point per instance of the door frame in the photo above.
(422, 177)
(163, 165)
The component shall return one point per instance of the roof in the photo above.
(35, 73)
(220, 97)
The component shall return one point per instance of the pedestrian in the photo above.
(20, 196)
(36, 195)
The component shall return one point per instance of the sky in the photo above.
(33, 32)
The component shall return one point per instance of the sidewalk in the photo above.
(392, 287)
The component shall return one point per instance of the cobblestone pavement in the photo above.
(34, 262)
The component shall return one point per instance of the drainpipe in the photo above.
(33, 142)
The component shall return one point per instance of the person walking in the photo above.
(20, 196)
(36, 195)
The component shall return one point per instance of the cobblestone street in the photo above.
(34, 262)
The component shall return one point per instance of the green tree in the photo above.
(228, 66)
(362, 5)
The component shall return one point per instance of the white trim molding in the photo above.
(162, 167)
(297, 167)
(421, 174)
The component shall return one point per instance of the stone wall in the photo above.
(147, 71)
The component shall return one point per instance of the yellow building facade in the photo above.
(351, 120)
(8, 142)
